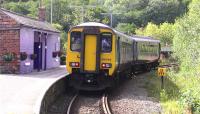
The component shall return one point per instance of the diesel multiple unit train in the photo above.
(98, 55)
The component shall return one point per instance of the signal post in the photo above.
(162, 72)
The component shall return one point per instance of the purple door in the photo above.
(38, 52)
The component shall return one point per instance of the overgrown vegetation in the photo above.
(171, 21)
(127, 15)
(185, 37)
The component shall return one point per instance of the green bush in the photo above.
(63, 60)
(188, 82)
(164, 32)
(8, 57)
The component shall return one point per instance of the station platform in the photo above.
(23, 94)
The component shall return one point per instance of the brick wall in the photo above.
(7, 22)
(9, 43)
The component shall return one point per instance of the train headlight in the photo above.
(106, 65)
(74, 64)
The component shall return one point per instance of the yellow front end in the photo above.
(72, 56)
(90, 53)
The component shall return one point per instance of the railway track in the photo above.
(105, 104)
(103, 107)
(69, 109)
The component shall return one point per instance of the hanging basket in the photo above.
(8, 57)
(33, 56)
(59, 53)
(54, 54)
(23, 56)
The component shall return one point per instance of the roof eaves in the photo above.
(14, 13)
(40, 28)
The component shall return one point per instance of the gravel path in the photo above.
(132, 98)
(87, 104)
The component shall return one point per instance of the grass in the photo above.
(181, 89)
(168, 96)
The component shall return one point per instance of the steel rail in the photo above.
(105, 105)
(70, 104)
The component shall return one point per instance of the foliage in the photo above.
(186, 49)
(188, 82)
(8, 57)
(141, 12)
(33, 56)
(187, 36)
(23, 56)
(29, 8)
(159, 11)
(126, 28)
(164, 32)
(69, 13)
(57, 26)
(63, 60)
(168, 96)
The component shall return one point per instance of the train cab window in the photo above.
(75, 41)
(106, 42)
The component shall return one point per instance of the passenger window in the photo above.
(106, 42)
(75, 41)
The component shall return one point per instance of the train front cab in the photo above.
(91, 57)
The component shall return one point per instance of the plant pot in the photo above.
(59, 53)
(54, 54)
(8, 57)
(23, 56)
(33, 56)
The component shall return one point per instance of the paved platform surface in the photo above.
(19, 94)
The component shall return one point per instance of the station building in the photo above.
(27, 44)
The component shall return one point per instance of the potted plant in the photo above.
(63, 60)
(23, 56)
(54, 54)
(33, 56)
(59, 53)
(8, 57)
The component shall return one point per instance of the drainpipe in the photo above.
(45, 54)
(39, 53)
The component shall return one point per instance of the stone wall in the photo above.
(9, 43)
(52, 94)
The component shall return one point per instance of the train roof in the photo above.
(94, 24)
(144, 38)
(134, 37)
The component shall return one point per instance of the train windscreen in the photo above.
(106, 42)
(75, 41)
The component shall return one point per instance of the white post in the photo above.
(51, 11)
(111, 19)
(82, 14)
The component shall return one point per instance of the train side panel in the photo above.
(147, 54)
(125, 53)
(147, 51)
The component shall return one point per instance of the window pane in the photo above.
(106, 42)
(75, 41)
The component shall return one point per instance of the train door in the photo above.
(90, 53)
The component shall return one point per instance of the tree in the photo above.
(164, 32)
(126, 28)
(187, 38)
(159, 11)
